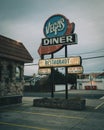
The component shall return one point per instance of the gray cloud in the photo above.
(23, 20)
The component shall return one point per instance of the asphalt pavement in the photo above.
(26, 117)
(87, 94)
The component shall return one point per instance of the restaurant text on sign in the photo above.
(60, 62)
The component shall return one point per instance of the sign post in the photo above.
(52, 79)
(66, 76)
(59, 33)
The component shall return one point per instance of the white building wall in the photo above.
(81, 83)
(61, 87)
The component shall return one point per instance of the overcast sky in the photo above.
(23, 20)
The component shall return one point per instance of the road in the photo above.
(89, 94)
(26, 117)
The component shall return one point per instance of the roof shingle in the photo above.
(14, 50)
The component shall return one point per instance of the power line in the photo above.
(88, 58)
(95, 51)
(92, 57)
(85, 53)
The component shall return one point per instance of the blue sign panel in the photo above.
(55, 26)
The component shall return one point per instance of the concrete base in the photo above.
(8, 100)
(72, 104)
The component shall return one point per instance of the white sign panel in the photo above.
(75, 70)
(60, 62)
(44, 71)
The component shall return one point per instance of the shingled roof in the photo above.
(14, 50)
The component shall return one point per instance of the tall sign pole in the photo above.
(52, 79)
(66, 75)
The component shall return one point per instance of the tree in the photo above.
(57, 77)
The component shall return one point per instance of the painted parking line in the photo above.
(101, 104)
(51, 115)
(23, 126)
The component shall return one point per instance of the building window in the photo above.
(18, 73)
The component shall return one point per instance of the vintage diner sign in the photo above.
(56, 26)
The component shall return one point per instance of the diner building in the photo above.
(13, 55)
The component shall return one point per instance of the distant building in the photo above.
(13, 55)
(91, 81)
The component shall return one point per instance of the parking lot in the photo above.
(26, 117)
